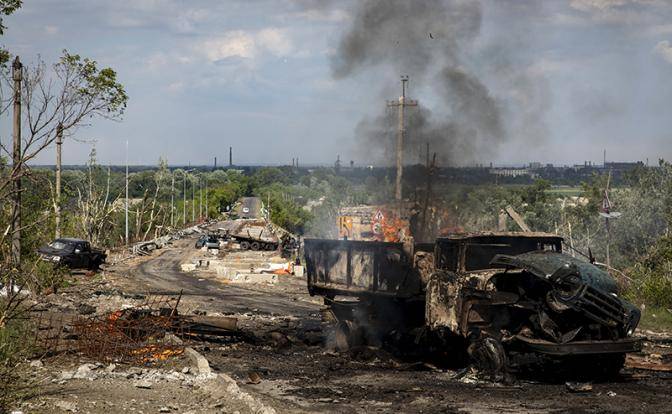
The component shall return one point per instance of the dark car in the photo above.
(73, 253)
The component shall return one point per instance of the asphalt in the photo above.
(162, 275)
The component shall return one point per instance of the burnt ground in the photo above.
(280, 349)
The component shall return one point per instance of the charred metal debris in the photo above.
(506, 301)
(138, 335)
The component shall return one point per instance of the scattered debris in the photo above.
(253, 377)
(579, 386)
(133, 334)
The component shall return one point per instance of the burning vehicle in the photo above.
(509, 301)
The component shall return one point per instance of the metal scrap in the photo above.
(135, 334)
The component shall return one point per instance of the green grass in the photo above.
(656, 319)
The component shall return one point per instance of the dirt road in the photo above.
(283, 347)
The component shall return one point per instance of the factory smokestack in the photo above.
(230, 156)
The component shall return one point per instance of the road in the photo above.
(162, 275)
(250, 207)
(300, 375)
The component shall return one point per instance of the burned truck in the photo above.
(507, 301)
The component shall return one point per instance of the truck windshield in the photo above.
(58, 245)
(478, 256)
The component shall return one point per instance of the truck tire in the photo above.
(255, 246)
(347, 335)
(245, 245)
(95, 264)
(489, 356)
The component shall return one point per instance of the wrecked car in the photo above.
(508, 301)
(209, 241)
(73, 253)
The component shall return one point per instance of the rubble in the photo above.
(133, 334)
(579, 386)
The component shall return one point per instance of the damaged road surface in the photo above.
(286, 356)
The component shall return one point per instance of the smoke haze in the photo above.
(430, 41)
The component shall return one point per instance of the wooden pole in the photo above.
(184, 199)
(127, 203)
(17, 76)
(59, 144)
(172, 200)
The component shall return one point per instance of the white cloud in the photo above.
(247, 44)
(275, 41)
(659, 30)
(51, 30)
(324, 15)
(236, 43)
(156, 61)
(175, 86)
(591, 5)
(546, 66)
(664, 50)
(623, 12)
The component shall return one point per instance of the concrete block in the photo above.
(188, 267)
(254, 278)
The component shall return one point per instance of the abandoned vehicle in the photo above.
(73, 253)
(505, 300)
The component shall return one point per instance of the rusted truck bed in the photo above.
(360, 268)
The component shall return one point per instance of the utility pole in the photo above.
(184, 199)
(17, 76)
(402, 103)
(200, 198)
(206, 197)
(193, 202)
(126, 213)
(172, 200)
(59, 143)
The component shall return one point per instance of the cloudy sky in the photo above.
(568, 77)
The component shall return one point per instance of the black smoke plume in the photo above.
(427, 40)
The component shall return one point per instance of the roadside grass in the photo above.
(656, 319)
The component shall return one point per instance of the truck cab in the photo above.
(512, 294)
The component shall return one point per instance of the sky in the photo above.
(568, 77)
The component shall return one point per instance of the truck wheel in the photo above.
(244, 245)
(255, 246)
(95, 265)
(489, 356)
(348, 335)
